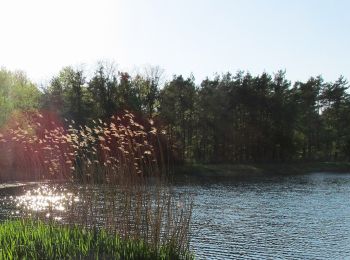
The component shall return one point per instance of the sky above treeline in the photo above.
(203, 37)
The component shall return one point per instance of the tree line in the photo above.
(230, 118)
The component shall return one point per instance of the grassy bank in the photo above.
(228, 170)
(39, 240)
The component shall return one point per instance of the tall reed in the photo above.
(121, 165)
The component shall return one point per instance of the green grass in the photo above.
(27, 239)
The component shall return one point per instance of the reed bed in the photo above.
(120, 165)
(41, 147)
(153, 214)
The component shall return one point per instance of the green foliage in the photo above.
(16, 93)
(127, 95)
(245, 118)
(227, 119)
(103, 90)
(68, 95)
(26, 239)
(177, 102)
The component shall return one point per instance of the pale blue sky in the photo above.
(305, 37)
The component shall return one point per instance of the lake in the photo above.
(280, 217)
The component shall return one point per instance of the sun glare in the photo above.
(46, 198)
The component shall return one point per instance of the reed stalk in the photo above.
(120, 163)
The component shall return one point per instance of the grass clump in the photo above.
(28, 239)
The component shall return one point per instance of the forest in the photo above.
(229, 118)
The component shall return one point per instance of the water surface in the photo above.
(293, 217)
(289, 217)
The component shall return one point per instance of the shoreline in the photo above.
(259, 169)
(232, 171)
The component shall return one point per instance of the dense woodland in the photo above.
(230, 118)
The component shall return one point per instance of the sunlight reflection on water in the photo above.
(276, 217)
(46, 198)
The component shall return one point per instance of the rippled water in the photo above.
(298, 217)
(290, 217)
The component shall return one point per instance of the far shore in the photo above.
(236, 170)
